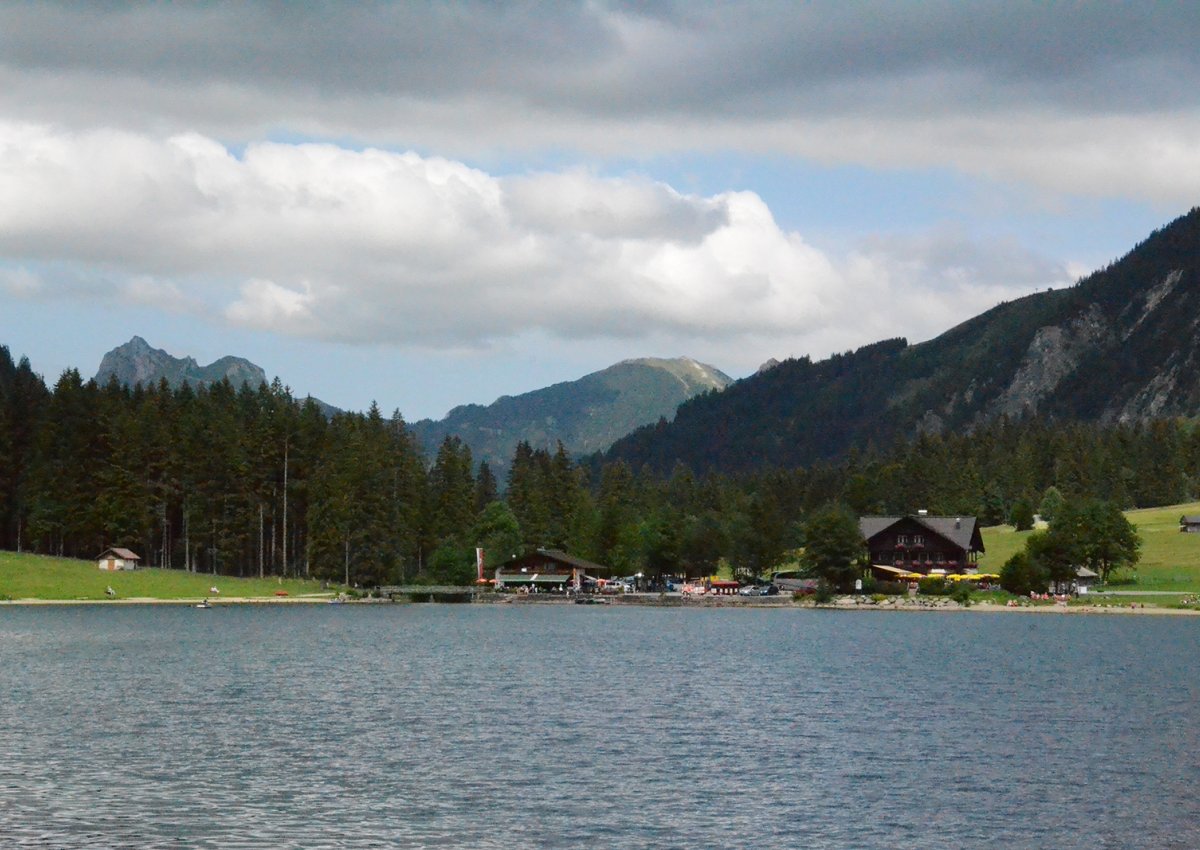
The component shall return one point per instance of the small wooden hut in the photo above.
(117, 558)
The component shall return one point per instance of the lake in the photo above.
(514, 726)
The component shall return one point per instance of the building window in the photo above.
(918, 539)
(901, 539)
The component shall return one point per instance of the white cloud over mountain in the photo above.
(371, 246)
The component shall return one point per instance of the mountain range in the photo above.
(1121, 345)
(587, 414)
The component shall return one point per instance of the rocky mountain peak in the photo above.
(137, 362)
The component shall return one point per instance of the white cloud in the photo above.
(265, 304)
(371, 246)
(20, 283)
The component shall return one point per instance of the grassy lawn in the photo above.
(1173, 600)
(1170, 560)
(24, 576)
(1000, 542)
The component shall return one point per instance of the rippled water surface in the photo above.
(564, 726)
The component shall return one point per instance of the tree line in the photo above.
(252, 481)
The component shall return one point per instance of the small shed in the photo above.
(1189, 524)
(1084, 578)
(1083, 581)
(117, 558)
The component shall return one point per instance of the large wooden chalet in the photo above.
(921, 543)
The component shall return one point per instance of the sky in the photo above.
(426, 205)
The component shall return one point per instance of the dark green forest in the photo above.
(251, 481)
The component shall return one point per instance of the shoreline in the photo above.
(845, 603)
(188, 601)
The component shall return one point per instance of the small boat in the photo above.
(204, 604)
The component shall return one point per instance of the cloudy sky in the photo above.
(435, 204)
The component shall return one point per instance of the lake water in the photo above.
(514, 726)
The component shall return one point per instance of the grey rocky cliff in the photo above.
(137, 362)
(1053, 354)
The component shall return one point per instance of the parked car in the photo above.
(759, 590)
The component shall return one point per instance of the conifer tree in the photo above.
(486, 488)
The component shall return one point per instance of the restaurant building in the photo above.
(549, 569)
(922, 543)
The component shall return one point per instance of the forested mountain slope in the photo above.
(1120, 346)
(587, 415)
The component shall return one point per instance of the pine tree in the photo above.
(23, 398)
(451, 490)
(1021, 515)
(528, 494)
(486, 488)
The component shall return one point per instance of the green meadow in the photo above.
(24, 576)
(1170, 560)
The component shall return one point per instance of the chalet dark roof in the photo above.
(959, 530)
(124, 554)
(558, 557)
(1189, 520)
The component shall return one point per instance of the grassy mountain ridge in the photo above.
(1121, 345)
(587, 414)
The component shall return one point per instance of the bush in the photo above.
(933, 586)
(824, 593)
(1021, 575)
(869, 584)
(961, 593)
(892, 588)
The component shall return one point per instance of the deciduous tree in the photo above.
(833, 546)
